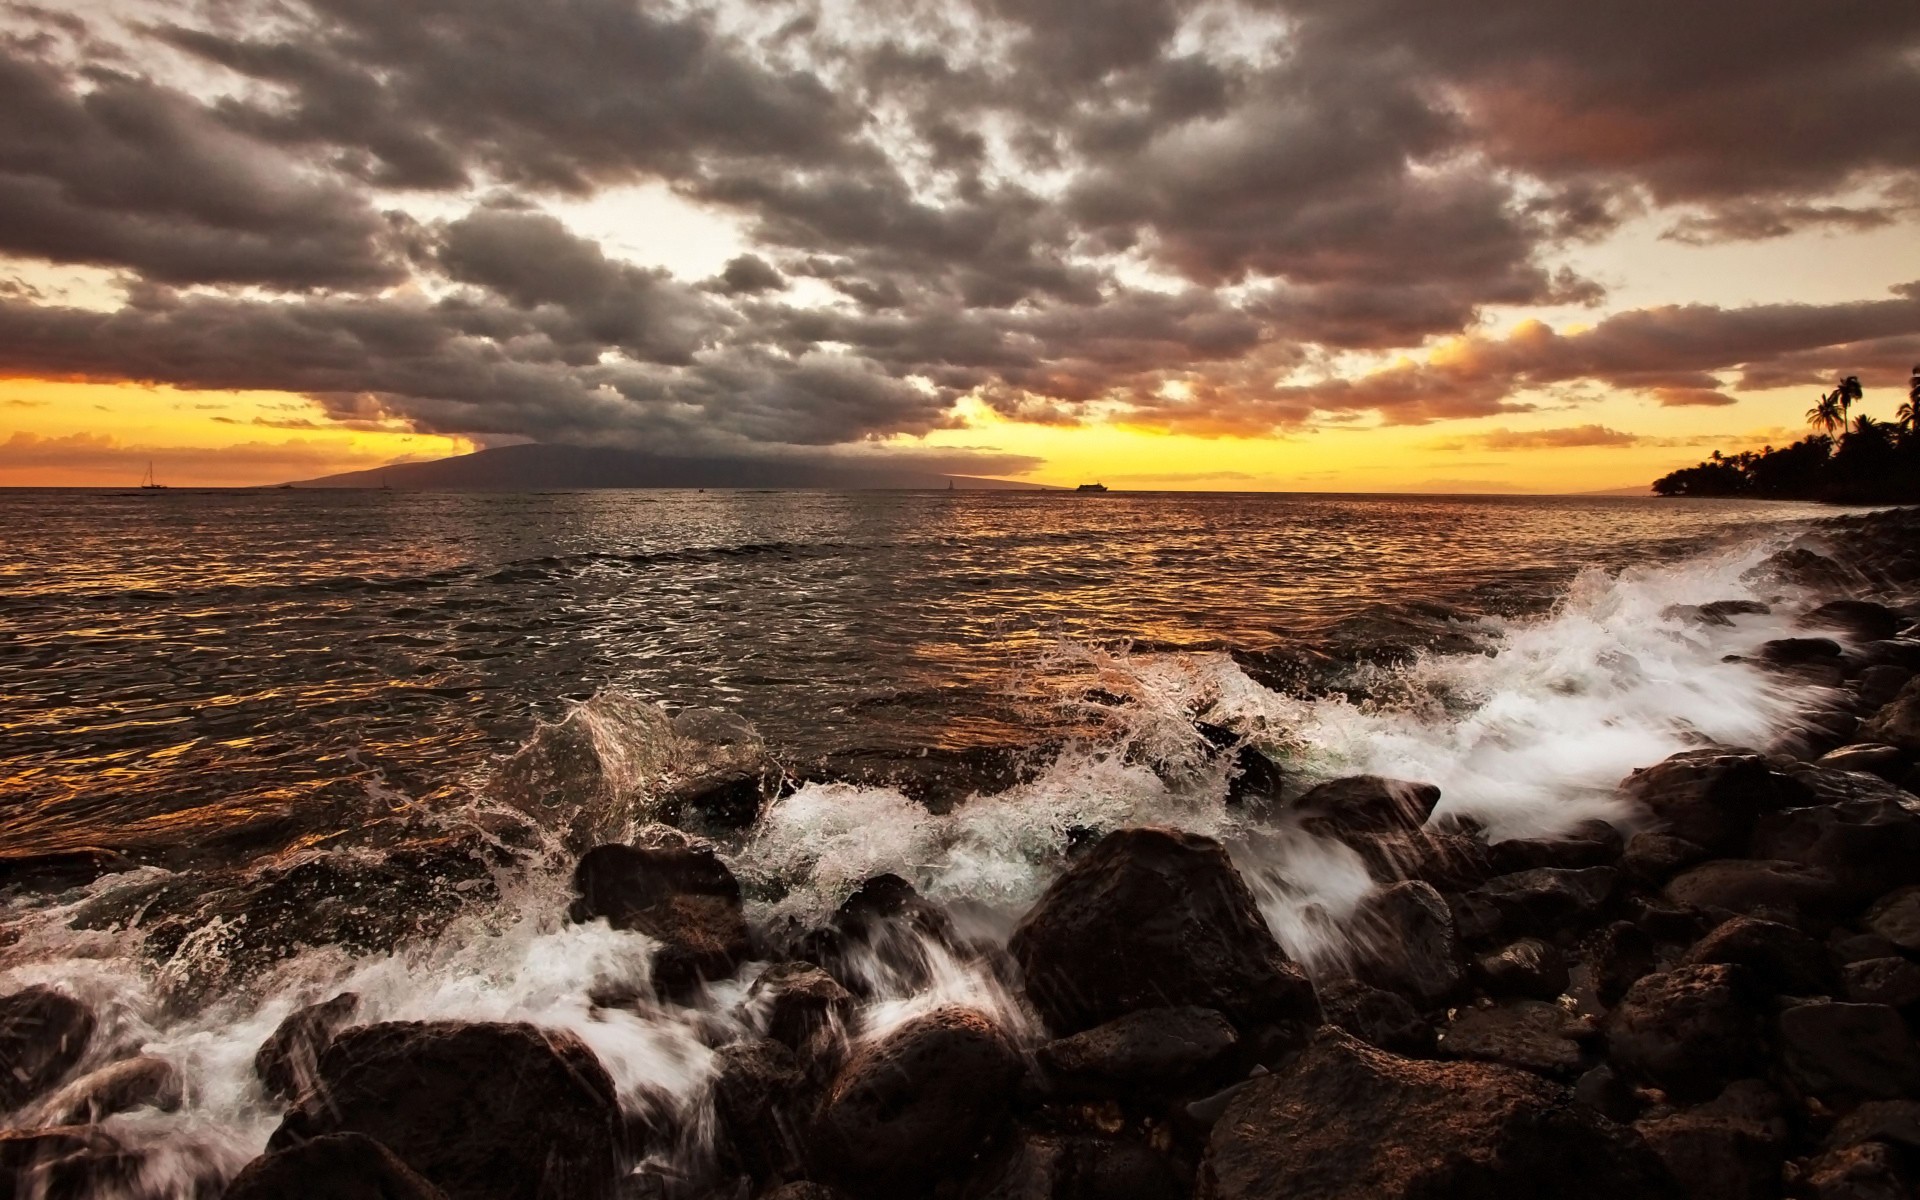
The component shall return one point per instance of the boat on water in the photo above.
(1091, 487)
(148, 483)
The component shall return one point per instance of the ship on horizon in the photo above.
(1091, 487)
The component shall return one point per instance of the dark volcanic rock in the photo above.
(1869, 758)
(1528, 967)
(139, 1082)
(1776, 957)
(1378, 1017)
(79, 1162)
(1863, 619)
(1869, 1171)
(1897, 723)
(1757, 887)
(914, 1105)
(1895, 1122)
(682, 895)
(1890, 981)
(1868, 846)
(1365, 804)
(801, 1001)
(1618, 957)
(1729, 1149)
(1547, 900)
(1897, 918)
(287, 1061)
(1533, 1035)
(340, 1166)
(1849, 1050)
(1797, 652)
(60, 869)
(1060, 1167)
(1688, 1031)
(757, 1091)
(1407, 944)
(484, 1111)
(1653, 858)
(1156, 1051)
(43, 1033)
(1589, 844)
(1801, 567)
(1711, 797)
(1154, 918)
(1347, 1122)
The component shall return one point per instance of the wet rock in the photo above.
(77, 1162)
(1895, 1122)
(1833, 1049)
(1870, 758)
(1874, 688)
(1860, 619)
(915, 1104)
(1156, 1052)
(1891, 981)
(1153, 918)
(1255, 781)
(1756, 887)
(59, 870)
(1735, 608)
(881, 938)
(1896, 917)
(287, 1062)
(1688, 1031)
(804, 1190)
(1830, 785)
(1728, 1149)
(1406, 943)
(43, 1034)
(681, 895)
(758, 1087)
(1589, 844)
(1548, 900)
(1377, 1017)
(1897, 723)
(1348, 1122)
(1079, 1167)
(1365, 804)
(1711, 797)
(1444, 859)
(617, 761)
(340, 1166)
(1602, 1090)
(1798, 652)
(800, 1002)
(1533, 1035)
(1653, 858)
(1618, 957)
(1868, 846)
(1846, 946)
(1777, 958)
(1528, 967)
(1869, 1171)
(484, 1111)
(140, 1082)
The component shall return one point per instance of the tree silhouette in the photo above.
(1846, 392)
(1827, 416)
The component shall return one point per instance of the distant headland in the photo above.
(1846, 460)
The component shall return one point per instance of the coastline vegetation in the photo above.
(1845, 460)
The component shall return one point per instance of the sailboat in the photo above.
(148, 483)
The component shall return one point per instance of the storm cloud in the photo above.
(1225, 218)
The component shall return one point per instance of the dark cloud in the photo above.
(748, 275)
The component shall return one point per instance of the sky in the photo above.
(1345, 245)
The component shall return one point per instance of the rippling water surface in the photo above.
(200, 673)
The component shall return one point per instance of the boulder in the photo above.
(287, 1061)
(1868, 1171)
(139, 1082)
(913, 1105)
(1799, 566)
(1798, 651)
(1868, 846)
(1894, 982)
(804, 1190)
(73, 1162)
(1651, 858)
(1348, 1122)
(1078, 1167)
(1618, 957)
(758, 1091)
(1363, 804)
(1377, 1017)
(1896, 917)
(1589, 844)
(1860, 619)
(339, 1166)
(484, 1111)
(1601, 1089)
(1154, 918)
(1155, 1053)
(800, 1002)
(1757, 887)
(1895, 1122)
(679, 894)
(1405, 942)
(1831, 1049)
(1724, 609)
(1867, 758)
(1528, 967)
(1775, 957)
(1533, 1035)
(1548, 900)
(1439, 857)
(1688, 1031)
(1897, 723)
(43, 1034)
(1728, 1149)
(1873, 688)
(1711, 798)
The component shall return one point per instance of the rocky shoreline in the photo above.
(1717, 998)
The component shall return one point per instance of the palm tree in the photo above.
(1827, 414)
(1846, 392)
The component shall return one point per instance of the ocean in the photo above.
(289, 715)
